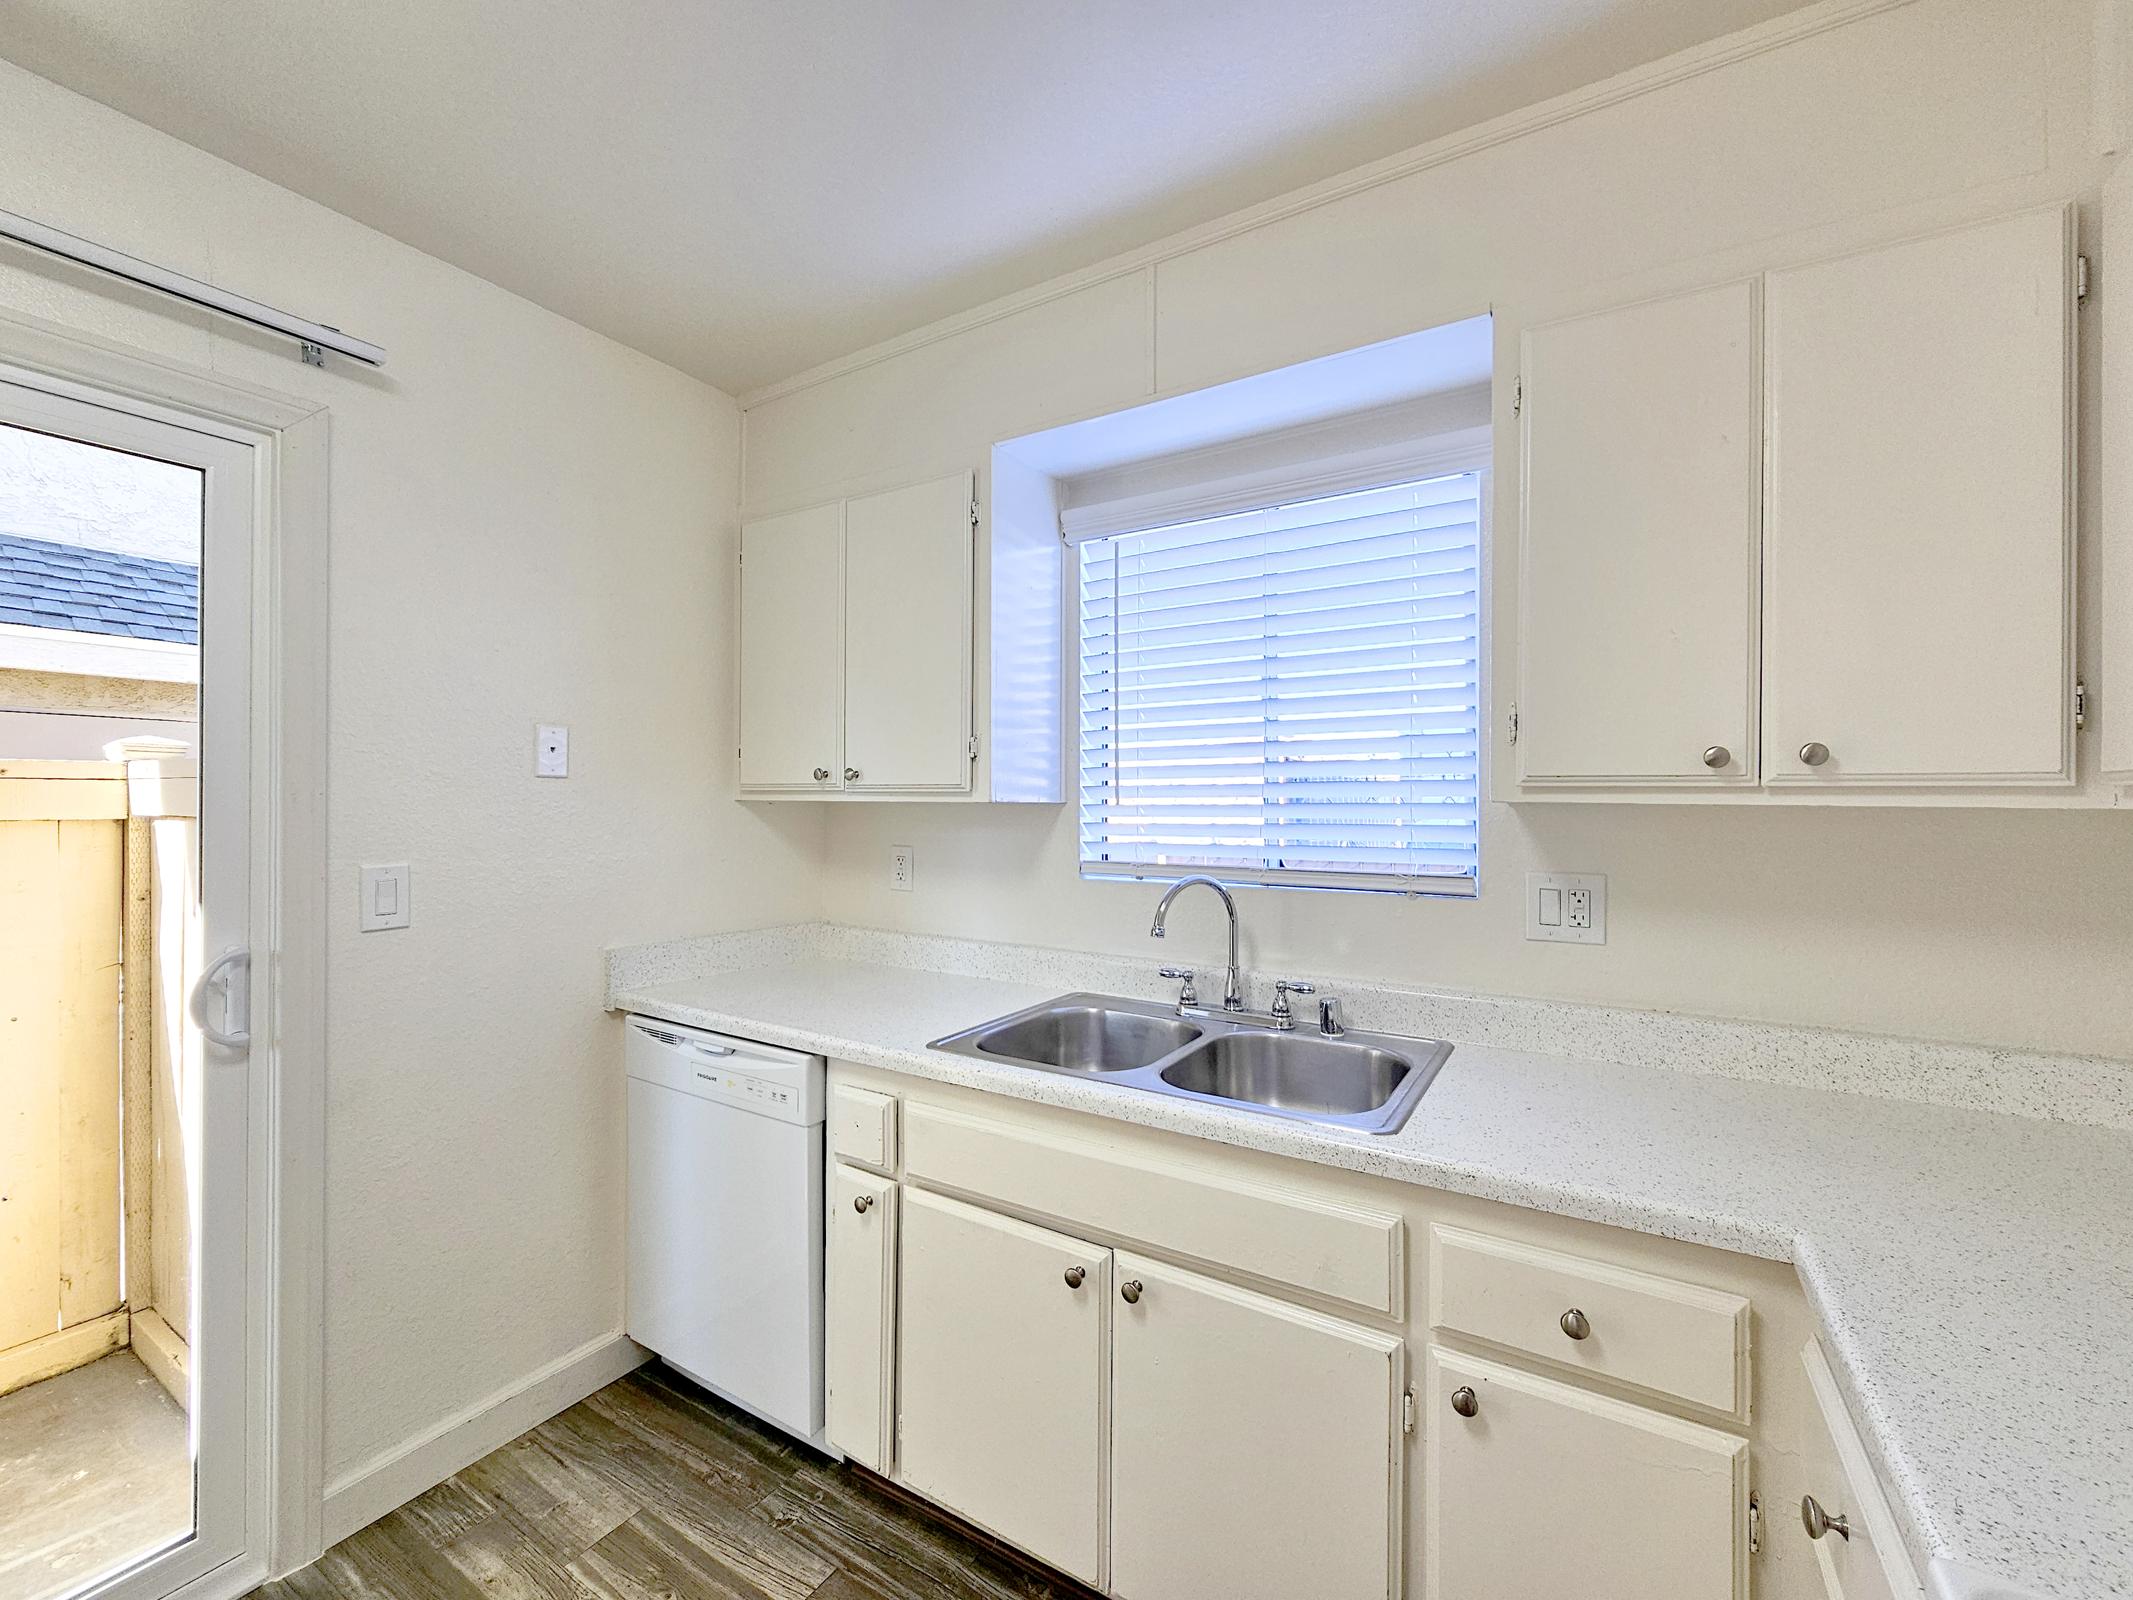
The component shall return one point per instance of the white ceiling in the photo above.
(747, 187)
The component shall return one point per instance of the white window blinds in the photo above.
(1289, 695)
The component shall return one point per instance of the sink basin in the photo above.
(1290, 1072)
(1368, 1082)
(1086, 1038)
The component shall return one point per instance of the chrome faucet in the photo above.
(1233, 980)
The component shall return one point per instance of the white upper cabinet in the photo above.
(1917, 539)
(1806, 534)
(907, 637)
(1637, 638)
(792, 644)
(856, 629)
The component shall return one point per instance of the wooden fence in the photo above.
(98, 937)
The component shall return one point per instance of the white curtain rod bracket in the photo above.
(313, 339)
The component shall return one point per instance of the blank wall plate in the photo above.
(903, 868)
(551, 751)
(386, 898)
(1566, 907)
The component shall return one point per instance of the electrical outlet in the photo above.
(1566, 907)
(551, 751)
(902, 869)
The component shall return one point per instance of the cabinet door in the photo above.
(1917, 539)
(1637, 558)
(792, 633)
(1549, 1490)
(1001, 1377)
(907, 637)
(1256, 1447)
(861, 1315)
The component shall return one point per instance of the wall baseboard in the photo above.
(54, 1353)
(392, 1478)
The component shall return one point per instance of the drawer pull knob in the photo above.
(1130, 1291)
(1574, 1323)
(1818, 1522)
(863, 1203)
(1814, 753)
(851, 774)
(1463, 1401)
(1074, 1275)
(1717, 756)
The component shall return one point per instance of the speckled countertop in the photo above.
(1973, 1271)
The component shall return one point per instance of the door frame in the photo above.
(284, 1460)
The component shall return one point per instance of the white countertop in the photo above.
(1973, 1271)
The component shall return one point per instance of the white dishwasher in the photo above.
(725, 1216)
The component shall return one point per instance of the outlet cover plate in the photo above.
(551, 751)
(903, 868)
(1566, 907)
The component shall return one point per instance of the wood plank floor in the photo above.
(654, 1490)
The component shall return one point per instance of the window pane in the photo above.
(1290, 694)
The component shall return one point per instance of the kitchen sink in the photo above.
(1290, 1072)
(1366, 1081)
(1086, 1038)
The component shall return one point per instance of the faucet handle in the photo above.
(1187, 996)
(1330, 1021)
(1283, 988)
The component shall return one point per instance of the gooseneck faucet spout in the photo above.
(1233, 985)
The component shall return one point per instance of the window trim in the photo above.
(1463, 450)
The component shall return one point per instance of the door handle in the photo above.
(223, 973)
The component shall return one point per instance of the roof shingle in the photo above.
(47, 585)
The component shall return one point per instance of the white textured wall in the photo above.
(1994, 926)
(529, 523)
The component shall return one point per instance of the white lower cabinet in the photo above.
(1255, 1446)
(1535, 1487)
(861, 1314)
(1003, 1377)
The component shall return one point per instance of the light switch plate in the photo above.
(551, 751)
(386, 901)
(1566, 907)
(903, 868)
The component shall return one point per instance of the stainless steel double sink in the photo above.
(1367, 1081)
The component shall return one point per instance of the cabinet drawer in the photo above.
(1655, 1333)
(1342, 1252)
(862, 1127)
(1870, 1564)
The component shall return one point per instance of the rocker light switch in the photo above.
(385, 902)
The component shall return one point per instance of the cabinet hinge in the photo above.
(973, 747)
(1407, 1412)
(1511, 722)
(1755, 1524)
(973, 513)
(1518, 394)
(2081, 277)
(2081, 705)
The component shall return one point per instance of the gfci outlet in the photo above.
(901, 869)
(1566, 907)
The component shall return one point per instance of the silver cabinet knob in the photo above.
(1814, 753)
(1130, 1291)
(851, 774)
(1574, 1324)
(1818, 1522)
(1463, 1401)
(822, 774)
(1717, 756)
(863, 1203)
(1074, 1276)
